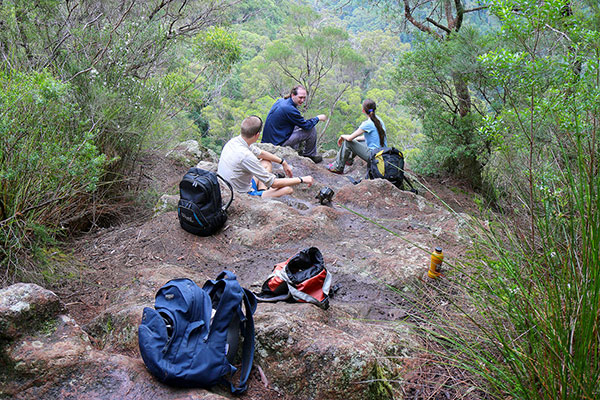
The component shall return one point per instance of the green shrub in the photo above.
(431, 79)
(533, 285)
(49, 163)
(83, 86)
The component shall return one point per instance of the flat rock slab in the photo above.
(311, 353)
(375, 240)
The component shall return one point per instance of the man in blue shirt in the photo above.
(285, 126)
(249, 168)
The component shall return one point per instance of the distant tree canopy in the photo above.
(316, 50)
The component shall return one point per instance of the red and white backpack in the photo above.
(301, 278)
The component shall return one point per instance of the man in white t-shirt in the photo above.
(248, 168)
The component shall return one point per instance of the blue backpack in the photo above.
(183, 346)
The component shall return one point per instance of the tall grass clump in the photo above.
(536, 330)
(49, 163)
(531, 327)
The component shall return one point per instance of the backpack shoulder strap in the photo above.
(228, 294)
(230, 189)
(231, 297)
(248, 348)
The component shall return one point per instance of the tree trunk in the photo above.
(3, 46)
(467, 165)
(463, 94)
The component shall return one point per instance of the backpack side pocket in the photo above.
(153, 339)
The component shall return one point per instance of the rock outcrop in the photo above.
(46, 355)
(191, 152)
(375, 240)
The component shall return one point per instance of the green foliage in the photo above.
(308, 53)
(115, 55)
(431, 78)
(535, 281)
(337, 69)
(49, 164)
(219, 47)
(550, 92)
(541, 304)
(363, 17)
(85, 86)
(264, 17)
(402, 132)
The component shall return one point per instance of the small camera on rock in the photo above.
(325, 195)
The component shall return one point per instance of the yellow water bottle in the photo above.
(437, 257)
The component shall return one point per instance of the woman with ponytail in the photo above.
(369, 135)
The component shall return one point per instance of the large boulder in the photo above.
(375, 240)
(24, 307)
(304, 351)
(46, 355)
(312, 353)
(191, 152)
(372, 236)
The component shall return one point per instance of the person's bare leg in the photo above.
(269, 167)
(272, 192)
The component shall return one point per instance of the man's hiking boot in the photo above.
(335, 171)
(316, 158)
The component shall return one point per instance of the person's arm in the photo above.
(282, 182)
(350, 137)
(252, 165)
(296, 119)
(265, 155)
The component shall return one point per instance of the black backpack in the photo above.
(200, 209)
(191, 336)
(388, 163)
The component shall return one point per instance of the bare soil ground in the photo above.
(108, 257)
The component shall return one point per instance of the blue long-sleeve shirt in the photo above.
(281, 120)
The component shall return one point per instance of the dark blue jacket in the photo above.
(281, 120)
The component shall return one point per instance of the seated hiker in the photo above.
(248, 168)
(369, 135)
(285, 126)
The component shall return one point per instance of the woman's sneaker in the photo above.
(335, 171)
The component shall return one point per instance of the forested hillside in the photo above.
(501, 95)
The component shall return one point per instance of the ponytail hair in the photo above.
(369, 108)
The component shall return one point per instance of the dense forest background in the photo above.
(502, 94)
